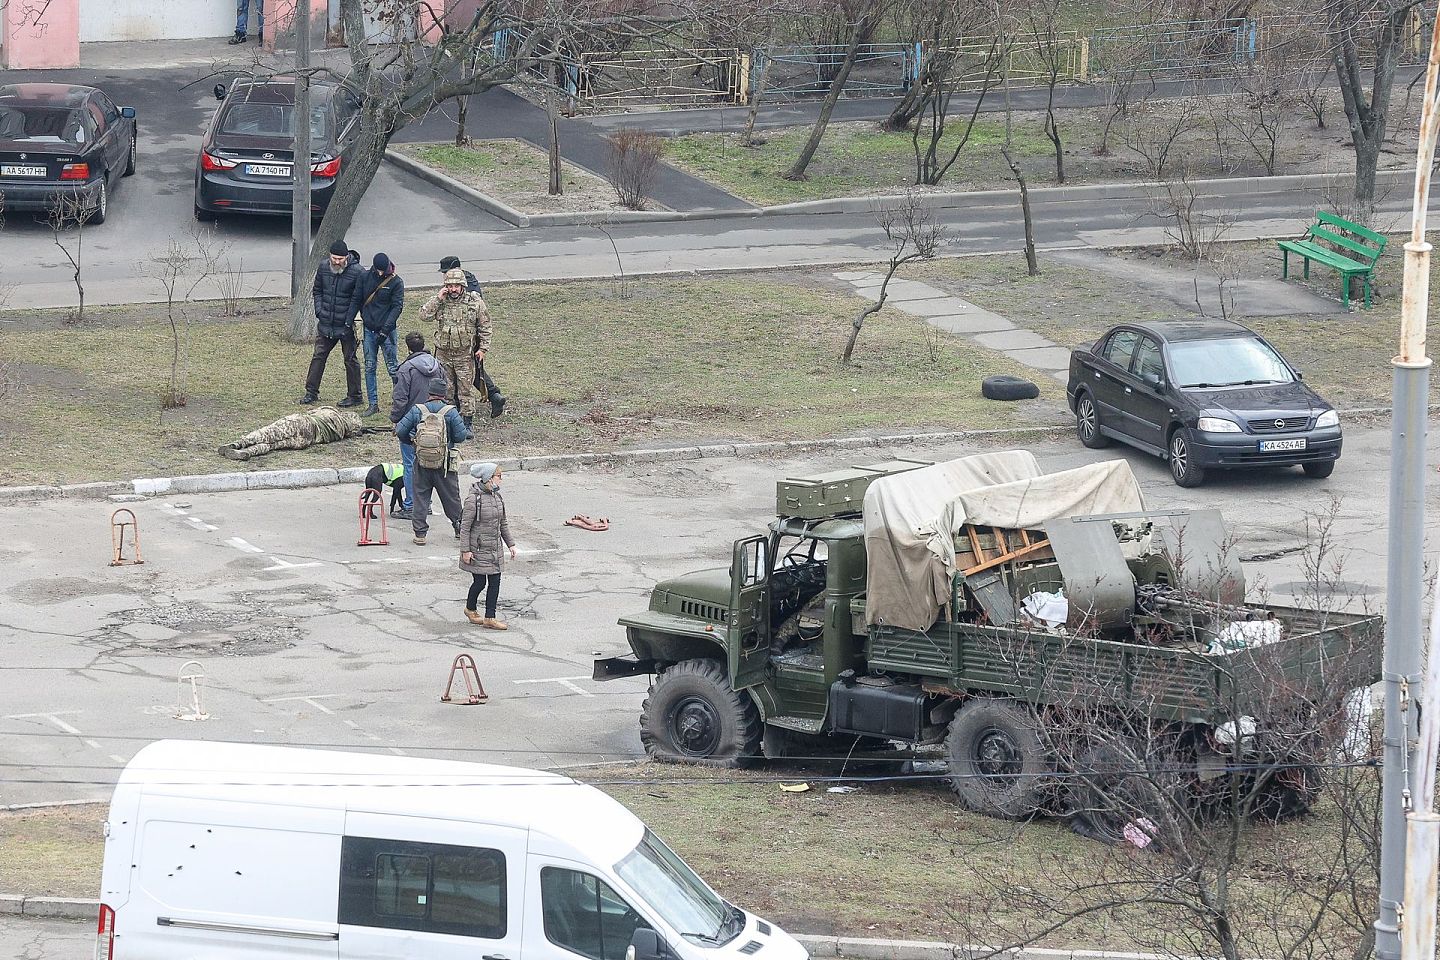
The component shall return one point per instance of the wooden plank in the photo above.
(1039, 550)
(1369, 253)
(975, 544)
(1354, 228)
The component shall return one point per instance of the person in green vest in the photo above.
(390, 475)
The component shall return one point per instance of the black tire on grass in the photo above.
(1004, 387)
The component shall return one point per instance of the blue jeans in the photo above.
(242, 14)
(373, 345)
(407, 461)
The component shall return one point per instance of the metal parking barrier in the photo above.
(475, 693)
(118, 525)
(372, 505)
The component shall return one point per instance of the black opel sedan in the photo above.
(245, 158)
(1203, 395)
(59, 140)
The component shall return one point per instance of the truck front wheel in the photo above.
(998, 764)
(693, 715)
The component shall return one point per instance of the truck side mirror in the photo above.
(645, 944)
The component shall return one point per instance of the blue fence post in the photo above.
(501, 43)
(910, 62)
(1254, 34)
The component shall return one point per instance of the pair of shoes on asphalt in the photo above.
(372, 410)
(242, 38)
(489, 623)
(350, 402)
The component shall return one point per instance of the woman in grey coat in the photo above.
(483, 529)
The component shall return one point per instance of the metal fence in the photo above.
(1182, 50)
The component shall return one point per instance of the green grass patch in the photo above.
(669, 361)
(516, 173)
(854, 158)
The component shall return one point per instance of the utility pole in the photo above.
(301, 320)
(1408, 778)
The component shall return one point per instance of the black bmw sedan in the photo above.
(1201, 394)
(246, 155)
(59, 140)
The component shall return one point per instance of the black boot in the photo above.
(238, 38)
(497, 405)
(349, 402)
(468, 422)
(308, 398)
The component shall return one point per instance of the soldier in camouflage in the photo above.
(295, 432)
(462, 325)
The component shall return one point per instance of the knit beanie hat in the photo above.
(438, 386)
(483, 471)
(339, 249)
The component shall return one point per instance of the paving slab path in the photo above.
(959, 316)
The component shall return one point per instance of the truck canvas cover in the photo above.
(911, 521)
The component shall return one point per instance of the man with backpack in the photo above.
(412, 386)
(434, 428)
(382, 298)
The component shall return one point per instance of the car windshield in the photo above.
(1231, 362)
(40, 124)
(675, 892)
(269, 120)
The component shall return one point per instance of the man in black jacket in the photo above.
(337, 301)
(382, 297)
(483, 380)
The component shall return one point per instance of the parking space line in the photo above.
(240, 543)
(567, 682)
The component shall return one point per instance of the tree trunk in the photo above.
(461, 118)
(908, 110)
(1032, 262)
(350, 186)
(807, 153)
(1052, 131)
(552, 128)
(869, 311)
(757, 93)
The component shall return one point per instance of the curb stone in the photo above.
(128, 492)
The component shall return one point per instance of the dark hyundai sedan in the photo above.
(62, 140)
(1202, 394)
(246, 156)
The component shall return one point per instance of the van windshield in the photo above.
(675, 892)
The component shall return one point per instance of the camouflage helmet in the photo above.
(455, 276)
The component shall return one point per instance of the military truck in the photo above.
(963, 604)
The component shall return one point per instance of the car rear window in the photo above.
(1227, 362)
(268, 120)
(41, 124)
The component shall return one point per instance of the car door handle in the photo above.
(494, 956)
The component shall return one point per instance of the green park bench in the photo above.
(1361, 248)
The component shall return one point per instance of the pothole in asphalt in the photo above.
(199, 630)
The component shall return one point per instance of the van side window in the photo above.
(427, 887)
(583, 915)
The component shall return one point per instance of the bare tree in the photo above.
(180, 268)
(1155, 126)
(68, 214)
(912, 233)
(1032, 263)
(1042, 20)
(402, 81)
(1194, 225)
(948, 67)
(1361, 33)
(863, 17)
(633, 163)
(1260, 117)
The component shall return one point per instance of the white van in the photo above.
(231, 851)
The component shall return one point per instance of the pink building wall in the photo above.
(40, 35)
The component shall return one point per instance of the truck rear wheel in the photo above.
(997, 760)
(693, 715)
(1114, 789)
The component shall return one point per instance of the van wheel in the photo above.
(693, 715)
(997, 761)
(1319, 471)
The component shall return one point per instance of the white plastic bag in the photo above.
(1051, 609)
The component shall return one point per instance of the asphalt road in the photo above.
(307, 639)
(417, 224)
